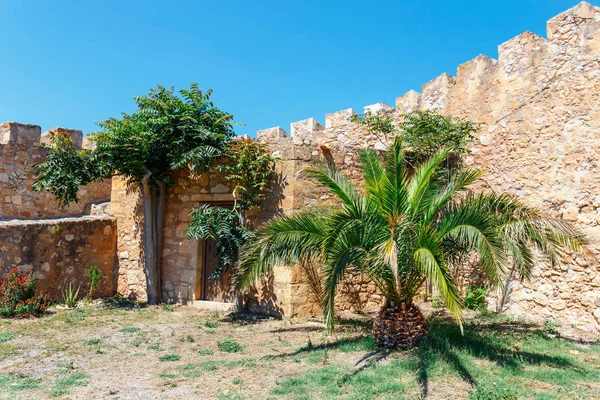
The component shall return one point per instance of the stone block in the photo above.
(75, 135)
(16, 133)
(436, 92)
(408, 102)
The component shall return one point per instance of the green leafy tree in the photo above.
(422, 133)
(406, 226)
(168, 131)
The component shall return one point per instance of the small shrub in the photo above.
(476, 297)
(169, 357)
(493, 392)
(168, 307)
(437, 302)
(95, 276)
(130, 329)
(189, 338)
(211, 324)
(229, 346)
(69, 296)
(18, 296)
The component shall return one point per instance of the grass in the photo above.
(229, 346)
(6, 336)
(64, 384)
(169, 357)
(288, 359)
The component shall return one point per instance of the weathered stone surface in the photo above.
(60, 251)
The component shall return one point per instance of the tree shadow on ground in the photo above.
(494, 342)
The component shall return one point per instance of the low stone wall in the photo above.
(60, 251)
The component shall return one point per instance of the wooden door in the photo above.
(213, 288)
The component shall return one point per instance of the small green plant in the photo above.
(550, 327)
(168, 307)
(169, 357)
(205, 352)
(6, 336)
(189, 338)
(64, 384)
(95, 276)
(493, 391)
(437, 302)
(237, 381)
(136, 343)
(70, 295)
(130, 329)
(211, 324)
(155, 346)
(210, 331)
(476, 297)
(18, 296)
(229, 346)
(91, 342)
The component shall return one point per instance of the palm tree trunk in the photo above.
(399, 326)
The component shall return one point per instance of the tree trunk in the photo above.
(159, 222)
(150, 266)
(399, 326)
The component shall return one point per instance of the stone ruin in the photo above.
(538, 103)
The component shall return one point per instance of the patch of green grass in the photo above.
(155, 346)
(210, 331)
(6, 336)
(14, 383)
(209, 365)
(64, 384)
(229, 346)
(136, 343)
(189, 338)
(237, 381)
(211, 324)
(205, 352)
(230, 396)
(192, 374)
(169, 357)
(167, 376)
(244, 362)
(130, 329)
(91, 342)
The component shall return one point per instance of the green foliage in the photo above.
(205, 352)
(91, 342)
(70, 295)
(6, 336)
(229, 346)
(64, 384)
(19, 297)
(167, 131)
(222, 225)
(14, 382)
(476, 297)
(211, 324)
(406, 226)
(95, 276)
(169, 357)
(130, 329)
(493, 391)
(251, 168)
(422, 133)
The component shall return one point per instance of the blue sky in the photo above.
(72, 63)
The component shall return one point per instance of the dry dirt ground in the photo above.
(120, 351)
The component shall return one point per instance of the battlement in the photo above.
(28, 135)
(525, 65)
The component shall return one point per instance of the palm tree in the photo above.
(405, 227)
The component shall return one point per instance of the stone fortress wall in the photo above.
(539, 104)
(35, 234)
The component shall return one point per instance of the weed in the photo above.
(244, 362)
(70, 295)
(229, 346)
(210, 331)
(167, 376)
(493, 391)
(131, 329)
(168, 307)
(169, 357)
(192, 374)
(211, 324)
(64, 384)
(205, 352)
(237, 381)
(16, 383)
(91, 342)
(95, 276)
(476, 297)
(6, 336)
(136, 343)
(155, 346)
(189, 338)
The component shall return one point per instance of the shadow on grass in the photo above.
(497, 342)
